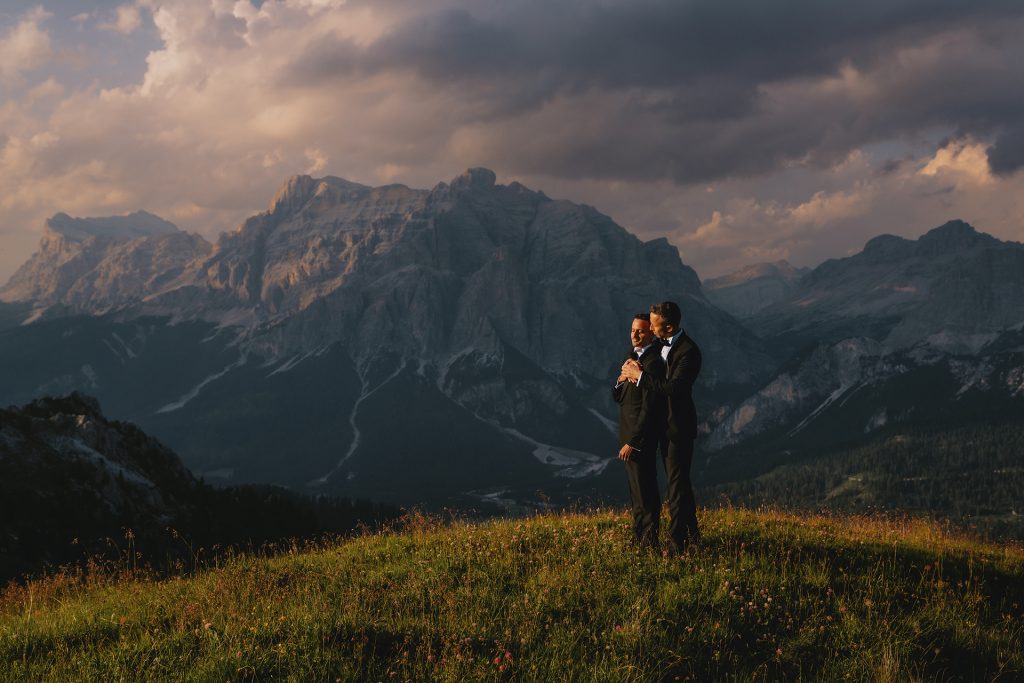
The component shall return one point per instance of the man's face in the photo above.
(661, 327)
(640, 334)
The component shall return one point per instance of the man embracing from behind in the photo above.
(683, 360)
(641, 429)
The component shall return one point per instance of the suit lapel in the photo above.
(675, 348)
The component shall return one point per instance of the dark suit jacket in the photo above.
(641, 411)
(676, 386)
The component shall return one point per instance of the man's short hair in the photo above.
(669, 310)
(642, 316)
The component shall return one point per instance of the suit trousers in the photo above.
(642, 473)
(682, 506)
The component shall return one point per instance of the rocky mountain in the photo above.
(907, 332)
(74, 483)
(468, 267)
(96, 264)
(856, 386)
(953, 288)
(390, 342)
(753, 288)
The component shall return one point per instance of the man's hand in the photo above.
(631, 370)
(626, 452)
(620, 380)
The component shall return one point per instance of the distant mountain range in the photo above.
(954, 289)
(753, 288)
(456, 344)
(948, 306)
(389, 342)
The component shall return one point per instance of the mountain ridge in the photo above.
(953, 286)
(502, 310)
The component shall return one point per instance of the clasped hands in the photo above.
(630, 371)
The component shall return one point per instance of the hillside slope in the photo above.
(971, 476)
(73, 482)
(768, 596)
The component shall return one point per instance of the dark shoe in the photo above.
(680, 548)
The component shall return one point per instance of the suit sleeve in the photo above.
(619, 390)
(682, 374)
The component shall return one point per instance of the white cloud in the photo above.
(127, 18)
(25, 46)
(961, 162)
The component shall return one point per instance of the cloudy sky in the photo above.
(742, 130)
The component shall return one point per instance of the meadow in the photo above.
(768, 595)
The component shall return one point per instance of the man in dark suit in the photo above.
(683, 360)
(641, 429)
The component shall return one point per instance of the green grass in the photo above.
(768, 596)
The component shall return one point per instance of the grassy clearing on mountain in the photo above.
(768, 595)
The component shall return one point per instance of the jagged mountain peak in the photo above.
(475, 178)
(886, 247)
(137, 224)
(300, 189)
(97, 264)
(751, 289)
(335, 261)
(954, 235)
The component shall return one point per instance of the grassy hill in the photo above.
(768, 596)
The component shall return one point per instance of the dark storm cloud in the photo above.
(700, 90)
(1007, 154)
(661, 42)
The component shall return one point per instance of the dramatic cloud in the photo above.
(744, 130)
(25, 46)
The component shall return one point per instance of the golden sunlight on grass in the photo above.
(768, 595)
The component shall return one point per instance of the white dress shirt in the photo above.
(664, 353)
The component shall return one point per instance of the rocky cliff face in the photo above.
(468, 267)
(473, 312)
(94, 265)
(754, 288)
